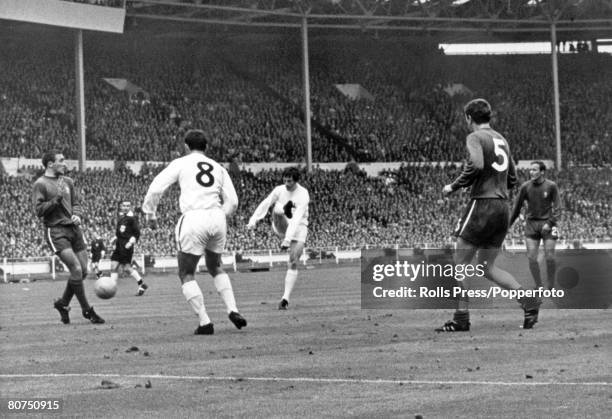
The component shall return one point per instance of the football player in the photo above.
(127, 234)
(542, 197)
(98, 250)
(289, 203)
(489, 171)
(58, 205)
(207, 198)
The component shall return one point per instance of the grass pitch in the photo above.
(324, 357)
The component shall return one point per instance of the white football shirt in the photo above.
(279, 198)
(204, 183)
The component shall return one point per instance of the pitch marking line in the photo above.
(308, 380)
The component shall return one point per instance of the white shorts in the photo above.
(280, 224)
(201, 229)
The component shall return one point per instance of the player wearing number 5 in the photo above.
(207, 197)
(542, 196)
(489, 171)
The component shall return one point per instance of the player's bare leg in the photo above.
(530, 305)
(551, 264)
(533, 247)
(504, 279)
(187, 264)
(224, 287)
(295, 253)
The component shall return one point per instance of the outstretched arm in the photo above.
(262, 209)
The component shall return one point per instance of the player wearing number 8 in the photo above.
(489, 171)
(207, 197)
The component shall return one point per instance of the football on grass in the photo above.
(105, 287)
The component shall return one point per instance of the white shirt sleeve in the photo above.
(263, 208)
(162, 181)
(228, 194)
(301, 206)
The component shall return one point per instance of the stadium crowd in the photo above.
(247, 93)
(403, 207)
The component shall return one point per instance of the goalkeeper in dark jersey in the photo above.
(542, 197)
(127, 234)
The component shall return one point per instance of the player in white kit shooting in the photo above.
(207, 198)
(289, 221)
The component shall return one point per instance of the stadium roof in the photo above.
(450, 20)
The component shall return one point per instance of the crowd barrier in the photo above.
(48, 267)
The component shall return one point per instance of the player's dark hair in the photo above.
(479, 110)
(196, 140)
(49, 156)
(292, 172)
(540, 164)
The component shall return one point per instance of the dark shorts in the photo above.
(63, 237)
(484, 223)
(95, 258)
(533, 230)
(121, 254)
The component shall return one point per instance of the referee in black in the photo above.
(542, 196)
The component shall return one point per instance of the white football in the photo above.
(105, 287)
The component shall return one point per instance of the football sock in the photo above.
(461, 316)
(193, 295)
(134, 274)
(551, 266)
(529, 303)
(534, 268)
(290, 279)
(224, 288)
(114, 276)
(79, 292)
(68, 293)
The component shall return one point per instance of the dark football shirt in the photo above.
(490, 170)
(97, 246)
(542, 201)
(127, 227)
(46, 188)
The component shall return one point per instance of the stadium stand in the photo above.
(248, 96)
(403, 207)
